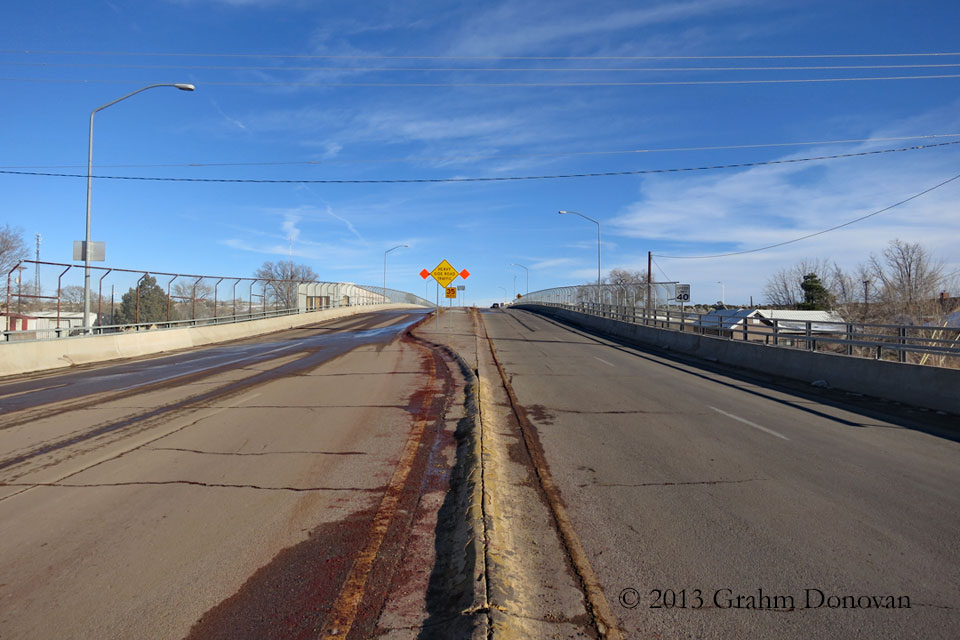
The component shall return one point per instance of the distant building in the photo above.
(761, 322)
(42, 324)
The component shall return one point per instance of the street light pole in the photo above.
(86, 244)
(598, 248)
(385, 268)
(514, 264)
(723, 293)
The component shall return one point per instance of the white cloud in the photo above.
(725, 212)
(515, 27)
(550, 263)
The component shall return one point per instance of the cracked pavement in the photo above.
(683, 476)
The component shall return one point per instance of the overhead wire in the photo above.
(657, 265)
(188, 67)
(651, 83)
(738, 165)
(197, 54)
(818, 233)
(498, 156)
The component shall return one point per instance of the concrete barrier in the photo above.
(922, 386)
(25, 357)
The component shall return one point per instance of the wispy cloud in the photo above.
(517, 27)
(550, 263)
(289, 226)
(232, 121)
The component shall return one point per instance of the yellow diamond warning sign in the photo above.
(444, 273)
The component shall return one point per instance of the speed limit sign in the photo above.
(683, 293)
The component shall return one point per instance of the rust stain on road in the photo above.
(344, 612)
(338, 578)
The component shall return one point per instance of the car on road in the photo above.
(495, 305)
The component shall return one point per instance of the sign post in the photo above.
(444, 274)
(683, 296)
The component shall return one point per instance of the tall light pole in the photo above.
(385, 268)
(514, 264)
(598, 247)
(723, 293)
(36, 268)
(86, 244)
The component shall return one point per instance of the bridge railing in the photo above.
(184, 300)
(925, 344)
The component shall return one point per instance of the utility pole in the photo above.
(866, 289)
(36, 269)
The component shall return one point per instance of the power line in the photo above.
(86, 65)
(739, 165)
(651, 83)
(818, 233)
(665, 276)
(495, 156)
(423, 57)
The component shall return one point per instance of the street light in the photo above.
(514, 264)
(86, 244)
(723, 293)
(385, 268)
(598, 247)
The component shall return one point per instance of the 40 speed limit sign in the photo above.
(683, 293)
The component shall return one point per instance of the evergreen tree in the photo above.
(815, 295)
(153, 304)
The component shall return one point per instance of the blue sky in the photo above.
(298, 90)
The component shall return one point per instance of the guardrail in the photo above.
(916, 344)
(201, 293)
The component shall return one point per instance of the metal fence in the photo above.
(187, 300)
(925, 344)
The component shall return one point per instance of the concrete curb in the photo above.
(921, 386)
(42, 355)
(467, 482)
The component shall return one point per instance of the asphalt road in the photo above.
(264, 488)
(717, 505)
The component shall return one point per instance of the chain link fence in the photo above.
(135, 300)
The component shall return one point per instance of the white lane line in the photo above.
(247, 398)
(213, 366)
(605, 362)
(752, 424)
(22, 393)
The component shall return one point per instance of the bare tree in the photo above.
(908, 280)
(630, 286)
(71, 299)
(12, 250)
(189, 295)
(783, 289)
(282, 280)
(848, 291)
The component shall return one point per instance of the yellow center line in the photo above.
(344, 611)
